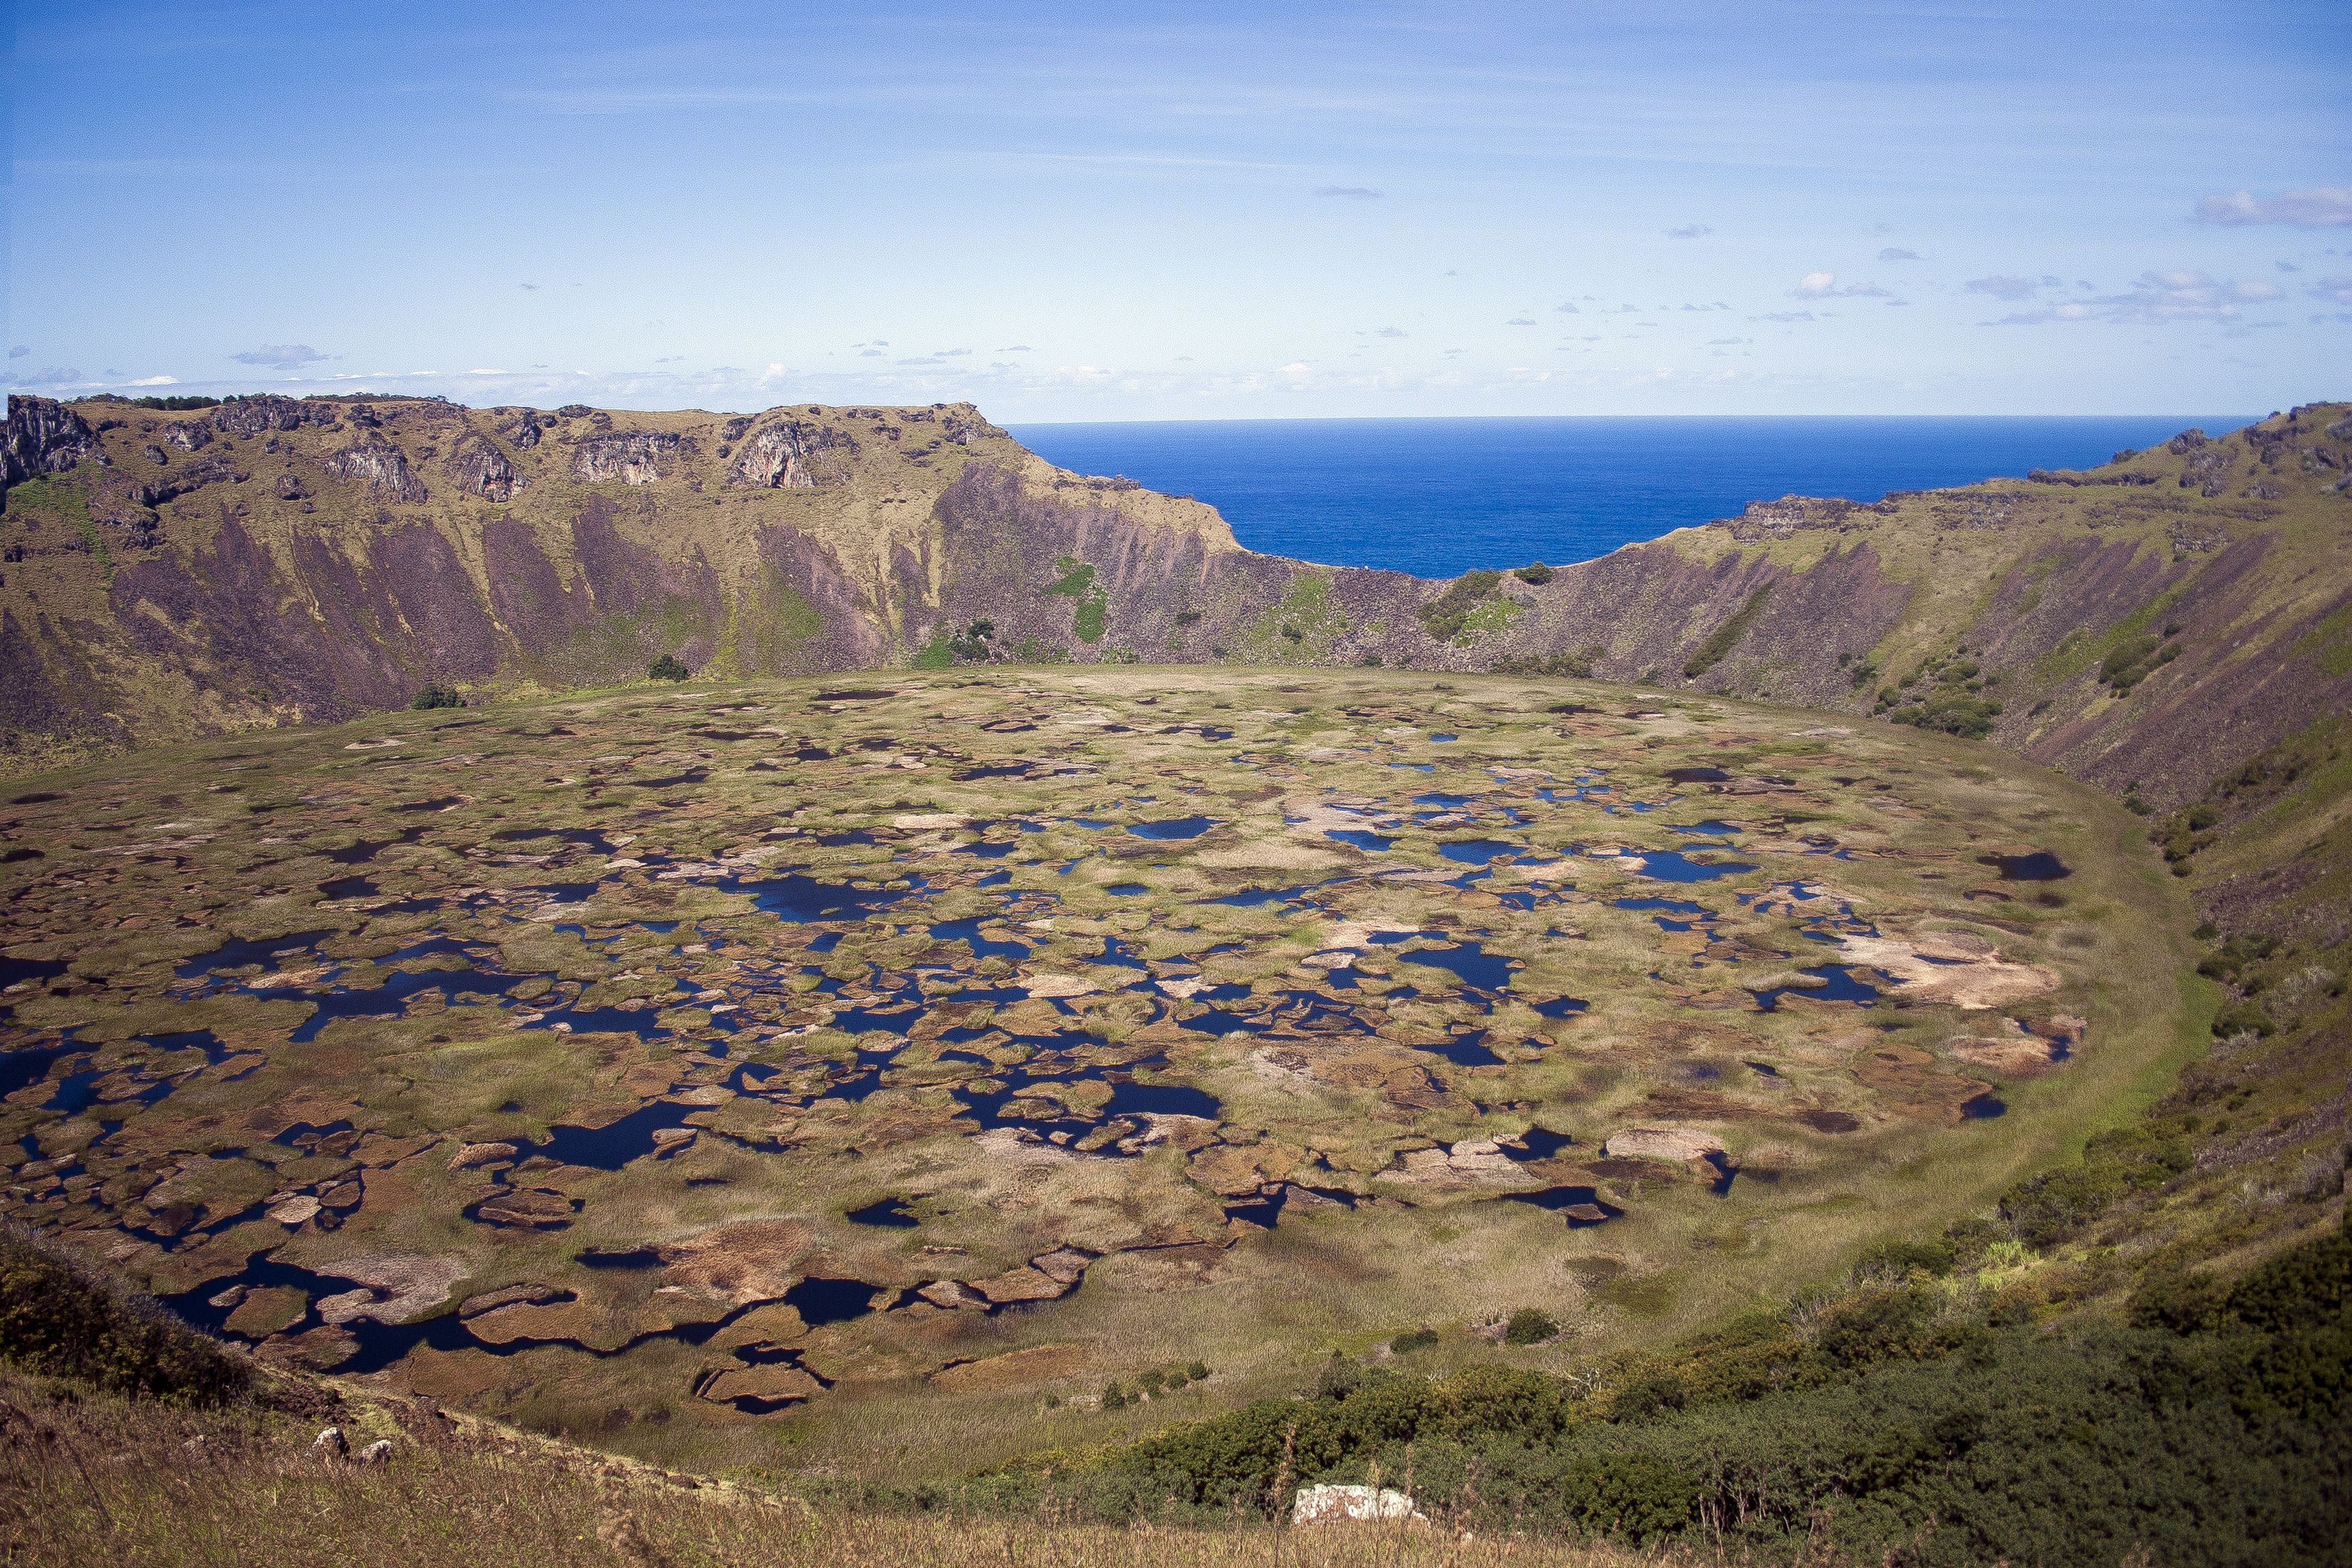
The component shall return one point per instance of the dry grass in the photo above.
(87, 1479)
(100, 1479)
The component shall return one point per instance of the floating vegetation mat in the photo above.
(700, 1055)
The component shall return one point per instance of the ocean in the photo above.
(1440, 497)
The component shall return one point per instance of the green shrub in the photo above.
(1632, 1497)
(1412, 1340)
(1725, 638)
(2302, 1287)
(1572, 666)
(1537, 574)
(433, 694)
(1530, 1326)
(62, 1317)
(2179, 1300)
(667, 667)
(1445, 616)
(1933, 1257)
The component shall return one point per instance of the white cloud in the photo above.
(2321, 206)
(2339, 290)
(280, 356)
(1824, 285)
(2004, 287)
(156, 381)
(2155, 299)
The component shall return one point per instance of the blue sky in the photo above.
(1192, 211)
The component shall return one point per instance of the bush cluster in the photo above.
(667, 667)
(2208, 1428)
(1947, 694)
(1445, 616)
(436, 694)
(60, 1318)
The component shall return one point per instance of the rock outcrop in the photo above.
(382, 466)
(481, 469)
(777, 455)
(632, 457)
(43, 437)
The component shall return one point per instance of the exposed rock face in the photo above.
(963, 429)
(481, 469)
(215, 469)
(521, 434)
(632, 457)
(381, 466)
(246, 417)
(188, 434)
(289, 488)
(1780, 519)
(776, 456)
(43, 437)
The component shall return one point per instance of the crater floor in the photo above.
(831, 1075)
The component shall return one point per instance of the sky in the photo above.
(1190, 211)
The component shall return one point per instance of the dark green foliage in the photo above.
(1725, 638)
(949, 646)
(1077, 582)
(2300, 1288)
(1413, 1340)
(63, 1318)
(1371, 661)
(1530, 1326)
(1945, 694)
(1536, 573)
(1969, 716)
(2048, 1207)
(180, 404)
(2179, 1300)
(2211, 1439)
(1445, 617)
(2244, 1017)
(667, 667)
(2135, 659)
(1578, 665)
(1931, 1258)
(1196, 1371)
(433, 694)
(1633, 1497)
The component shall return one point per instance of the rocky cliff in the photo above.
(266, 560)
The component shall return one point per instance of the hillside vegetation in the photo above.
(173, 572)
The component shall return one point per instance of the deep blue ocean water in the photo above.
(1439, 497)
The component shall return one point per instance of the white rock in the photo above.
(377, 1452)
(1349, 1505)
(329, 1444)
